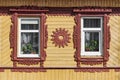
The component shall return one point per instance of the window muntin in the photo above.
(91, 36)
(28, 37)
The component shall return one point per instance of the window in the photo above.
(91, 36)
(28, 37)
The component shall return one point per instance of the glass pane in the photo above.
(29, 21)
(29, 26)
(29, 43)
(91, 41)
(92, 23)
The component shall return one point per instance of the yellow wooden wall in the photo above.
(114, 59)
(59, 75)
(4, 43)
(59, 57)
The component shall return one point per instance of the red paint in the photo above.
(93, 10)
(61, 32)
(77, 39)
(13, 40)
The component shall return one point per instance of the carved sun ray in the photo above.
(60, 37)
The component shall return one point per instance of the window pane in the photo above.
(29, 21)
(29, 43)
(91, 41)
(91, 23)
(29, 26)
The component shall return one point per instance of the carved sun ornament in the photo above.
(61, 37)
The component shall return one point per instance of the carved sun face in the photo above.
(60, 37)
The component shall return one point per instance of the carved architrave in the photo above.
(91, 61)
(93, 10)
(91, 70)
(77, 44)
(13, 40)
(61, 37)
(106, 39)
(28, 70)
(77, 39)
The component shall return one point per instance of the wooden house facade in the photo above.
(60, 39)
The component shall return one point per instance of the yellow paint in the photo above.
(56, 56)
(5, 44)
(60, 75)
(60, 57)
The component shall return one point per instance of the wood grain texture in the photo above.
(58, 57)
(5, 45)
(61, 3)
(60, 75)
(115, 41)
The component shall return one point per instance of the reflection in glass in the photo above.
(29, 43)
(29, 26)
(92, 23)
(91, 41)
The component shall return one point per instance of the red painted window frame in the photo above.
(77, 39)
(13, 37)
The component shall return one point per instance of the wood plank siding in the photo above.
(59, 75)
(60, 63)
(58, 57)
(61, 3)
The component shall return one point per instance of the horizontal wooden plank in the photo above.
(57, 58)
(61, 3)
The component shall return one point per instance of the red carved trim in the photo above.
(1, 70)
(13, 41)
(76, 69)
(61, 33)
(77, 39)
(91, 63)
(28, 61)
(27, 10)
(117, 70)
(92, 10)
(92, 70)
(106, 39)
(28, 70)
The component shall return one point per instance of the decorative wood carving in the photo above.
(92, 10)
(76, 37)
(117, 70)
(77, 44)
(28, 62)
(28, 70)
(2, 70)
(91, 63)
(13, 40)
(61, 37)
(106, 39)
(91, 70)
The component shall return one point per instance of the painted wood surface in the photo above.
(60, 75)
(59, 57)
(61, 3)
